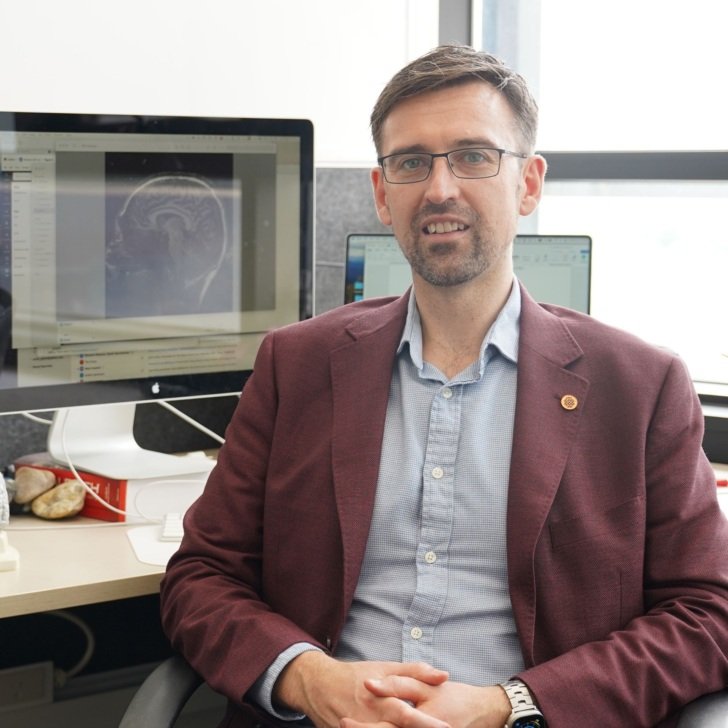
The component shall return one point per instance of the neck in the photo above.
(455, 321)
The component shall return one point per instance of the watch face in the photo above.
(535, 722)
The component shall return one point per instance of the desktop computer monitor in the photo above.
(144, 258)
(554, 268)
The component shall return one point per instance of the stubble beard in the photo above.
(448, 264)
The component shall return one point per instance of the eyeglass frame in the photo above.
(446, 155)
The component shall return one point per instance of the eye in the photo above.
(409, 163)
(474, 157)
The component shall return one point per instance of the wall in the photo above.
(344, 204)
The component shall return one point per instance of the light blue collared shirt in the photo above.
(434, 584)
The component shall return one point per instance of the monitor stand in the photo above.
(100, 439)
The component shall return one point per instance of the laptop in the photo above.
(374, 266)
(554, 268)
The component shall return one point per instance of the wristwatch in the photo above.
(524, 714)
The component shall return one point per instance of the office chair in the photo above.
(161, 697)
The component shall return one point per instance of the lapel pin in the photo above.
(569, 402)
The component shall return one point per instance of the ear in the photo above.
(534, 172)
(380, 196)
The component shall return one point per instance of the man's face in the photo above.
(455, 230)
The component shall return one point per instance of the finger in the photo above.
(351, 723)
(402, 714)
(398, 686)
(424, 672)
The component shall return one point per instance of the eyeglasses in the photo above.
(472, 163)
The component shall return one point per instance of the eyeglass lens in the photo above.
(465, 163)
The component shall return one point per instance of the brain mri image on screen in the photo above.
(168, 233)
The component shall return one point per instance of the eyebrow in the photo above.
(467, 143)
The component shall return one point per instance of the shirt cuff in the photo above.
(262, 689)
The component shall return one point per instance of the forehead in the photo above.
(437, 120)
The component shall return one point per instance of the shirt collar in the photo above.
(502, 336)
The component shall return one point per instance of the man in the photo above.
(457, 508)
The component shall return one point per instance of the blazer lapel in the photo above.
(549, 404)
(361, 372)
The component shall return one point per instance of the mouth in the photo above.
(445, 226)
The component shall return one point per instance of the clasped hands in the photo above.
(335, 694)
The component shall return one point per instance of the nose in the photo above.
(442, 184)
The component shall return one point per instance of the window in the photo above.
(644, 77)
(660, 262)
(632, 75)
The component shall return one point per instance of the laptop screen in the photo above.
(375, 266)
(554, 268)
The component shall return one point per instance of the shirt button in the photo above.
(430, 557)
(447, 392)
(416, 633)
(437, 472)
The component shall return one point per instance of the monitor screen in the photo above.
(144, 257)
(554, 268)
(375, 266)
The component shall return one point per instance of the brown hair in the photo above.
(450, 65)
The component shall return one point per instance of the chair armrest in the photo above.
(710, 711)
(162, 695)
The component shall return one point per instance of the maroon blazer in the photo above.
(617, 549)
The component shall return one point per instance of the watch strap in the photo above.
(523, 710)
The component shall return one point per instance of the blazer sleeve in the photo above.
(676, 650)
(212, 602)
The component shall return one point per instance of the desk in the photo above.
(68, 564)
(86, 561)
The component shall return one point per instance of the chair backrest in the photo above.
(162, 695)
(710, 711)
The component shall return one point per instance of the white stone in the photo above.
(31, 482)
(64, 500)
